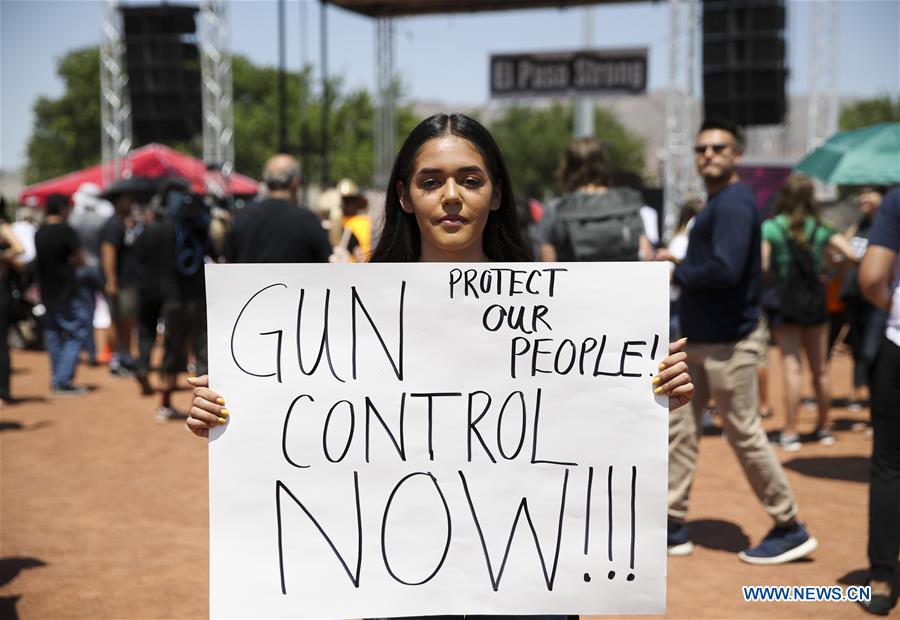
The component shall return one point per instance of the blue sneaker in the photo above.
(781, 544)
(677, 540)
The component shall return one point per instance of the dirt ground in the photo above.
(104, 511)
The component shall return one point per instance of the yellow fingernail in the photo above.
(656, 380)
(224, 412)
(682, 339)
(192, 378)
(222, 420)
(658, 390)
(220, 400)
(662, 366)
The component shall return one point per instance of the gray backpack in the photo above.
(598, 227)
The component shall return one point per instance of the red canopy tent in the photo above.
(153, 160)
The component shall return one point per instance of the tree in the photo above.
(66, 131)
(255, 93)
(352, 136)
(533, 141)
(626, 149)
(884, 109)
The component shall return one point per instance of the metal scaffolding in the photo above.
(215, 59)
(115, 106)
(584, 105)
(385, 113)
(680, 180)
(822, 111)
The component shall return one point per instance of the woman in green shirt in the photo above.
(793, 242)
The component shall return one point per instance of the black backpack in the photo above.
(598, 227)
(802, 291)
(191, 216)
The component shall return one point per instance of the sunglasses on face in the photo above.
(700, 149)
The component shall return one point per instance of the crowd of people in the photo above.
(106, 275)
(739, 282)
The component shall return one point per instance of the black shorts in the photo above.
(123, 306)
(185, 322)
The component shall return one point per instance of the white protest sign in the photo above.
(437, 439)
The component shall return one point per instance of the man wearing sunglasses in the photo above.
(720, 280)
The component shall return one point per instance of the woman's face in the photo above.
(451, 195)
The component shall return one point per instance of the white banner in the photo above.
(437, 439)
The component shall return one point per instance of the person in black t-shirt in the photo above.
(58, 254)
(278, 229)
(155, 259)
(172, 251)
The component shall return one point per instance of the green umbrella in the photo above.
(867, 156)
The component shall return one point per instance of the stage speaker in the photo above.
(163, 68)
(744, 69)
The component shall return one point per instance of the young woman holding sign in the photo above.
(449, 200)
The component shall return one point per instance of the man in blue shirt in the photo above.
(720, 280)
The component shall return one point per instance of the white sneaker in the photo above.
(164, 414)
(789, 443)
(824, 437)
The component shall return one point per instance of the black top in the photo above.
(115, 233)
(154, 254)
(721, 276)
(276, 231)
(171, 262)
(56, 245)
(3, 247)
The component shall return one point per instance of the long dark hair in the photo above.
(796, 200)
(401, 241)
(689, 209)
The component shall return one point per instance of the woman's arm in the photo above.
(645, 248)
(840, 243)
(875, 275)
(766, 257)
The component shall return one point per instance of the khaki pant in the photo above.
(727, 373)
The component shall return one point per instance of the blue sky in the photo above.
(439, 58)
